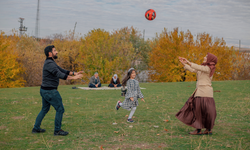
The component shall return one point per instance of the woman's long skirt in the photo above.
(198, 112)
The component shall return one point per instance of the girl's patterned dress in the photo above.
(133, 90)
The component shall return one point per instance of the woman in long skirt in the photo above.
(199, 111)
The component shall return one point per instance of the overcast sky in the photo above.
(229, 19)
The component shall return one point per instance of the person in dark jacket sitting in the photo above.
(115, 82)
(95, 81)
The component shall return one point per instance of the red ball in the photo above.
(150, 14)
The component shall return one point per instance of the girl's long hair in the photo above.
(127, 77)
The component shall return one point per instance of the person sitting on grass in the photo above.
(95, 81)
(115, 82)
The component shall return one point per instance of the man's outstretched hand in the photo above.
(79, 76)
(80, 72)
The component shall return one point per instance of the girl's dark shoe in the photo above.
(117, 105)
(130, 120)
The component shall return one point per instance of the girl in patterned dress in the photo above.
(132, 95)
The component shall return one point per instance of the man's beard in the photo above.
(54, 56)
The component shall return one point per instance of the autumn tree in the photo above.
(141, 47)
(10, 68)
(31, 55)
(166, 48)
(68, 51)
(104, 53)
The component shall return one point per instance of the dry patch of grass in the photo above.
(2, 127)
(17, 117)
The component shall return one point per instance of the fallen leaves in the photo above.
(116, 131)
(158, 134)
(166, 130)
(217, 91)
(101, 148)
(77, 104)
(165, 120)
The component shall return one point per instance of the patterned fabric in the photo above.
(133, 90)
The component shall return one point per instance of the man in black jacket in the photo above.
(50, 96)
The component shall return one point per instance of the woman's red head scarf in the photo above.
(211, 62)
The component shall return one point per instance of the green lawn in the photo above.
(89, 118)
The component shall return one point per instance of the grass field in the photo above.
(89, 118)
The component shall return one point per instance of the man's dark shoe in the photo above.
(61, 133)
(38, 131)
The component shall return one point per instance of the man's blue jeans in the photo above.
(50, 97)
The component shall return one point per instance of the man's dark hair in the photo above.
(48, 49)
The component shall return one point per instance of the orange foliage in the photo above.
(31, 55)
(166, 48)
(114, 52)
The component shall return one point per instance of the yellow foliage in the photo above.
(31, 55)
(108, 53)
(104, 53)
(68, 50)
(10, 69)
(166, 48)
